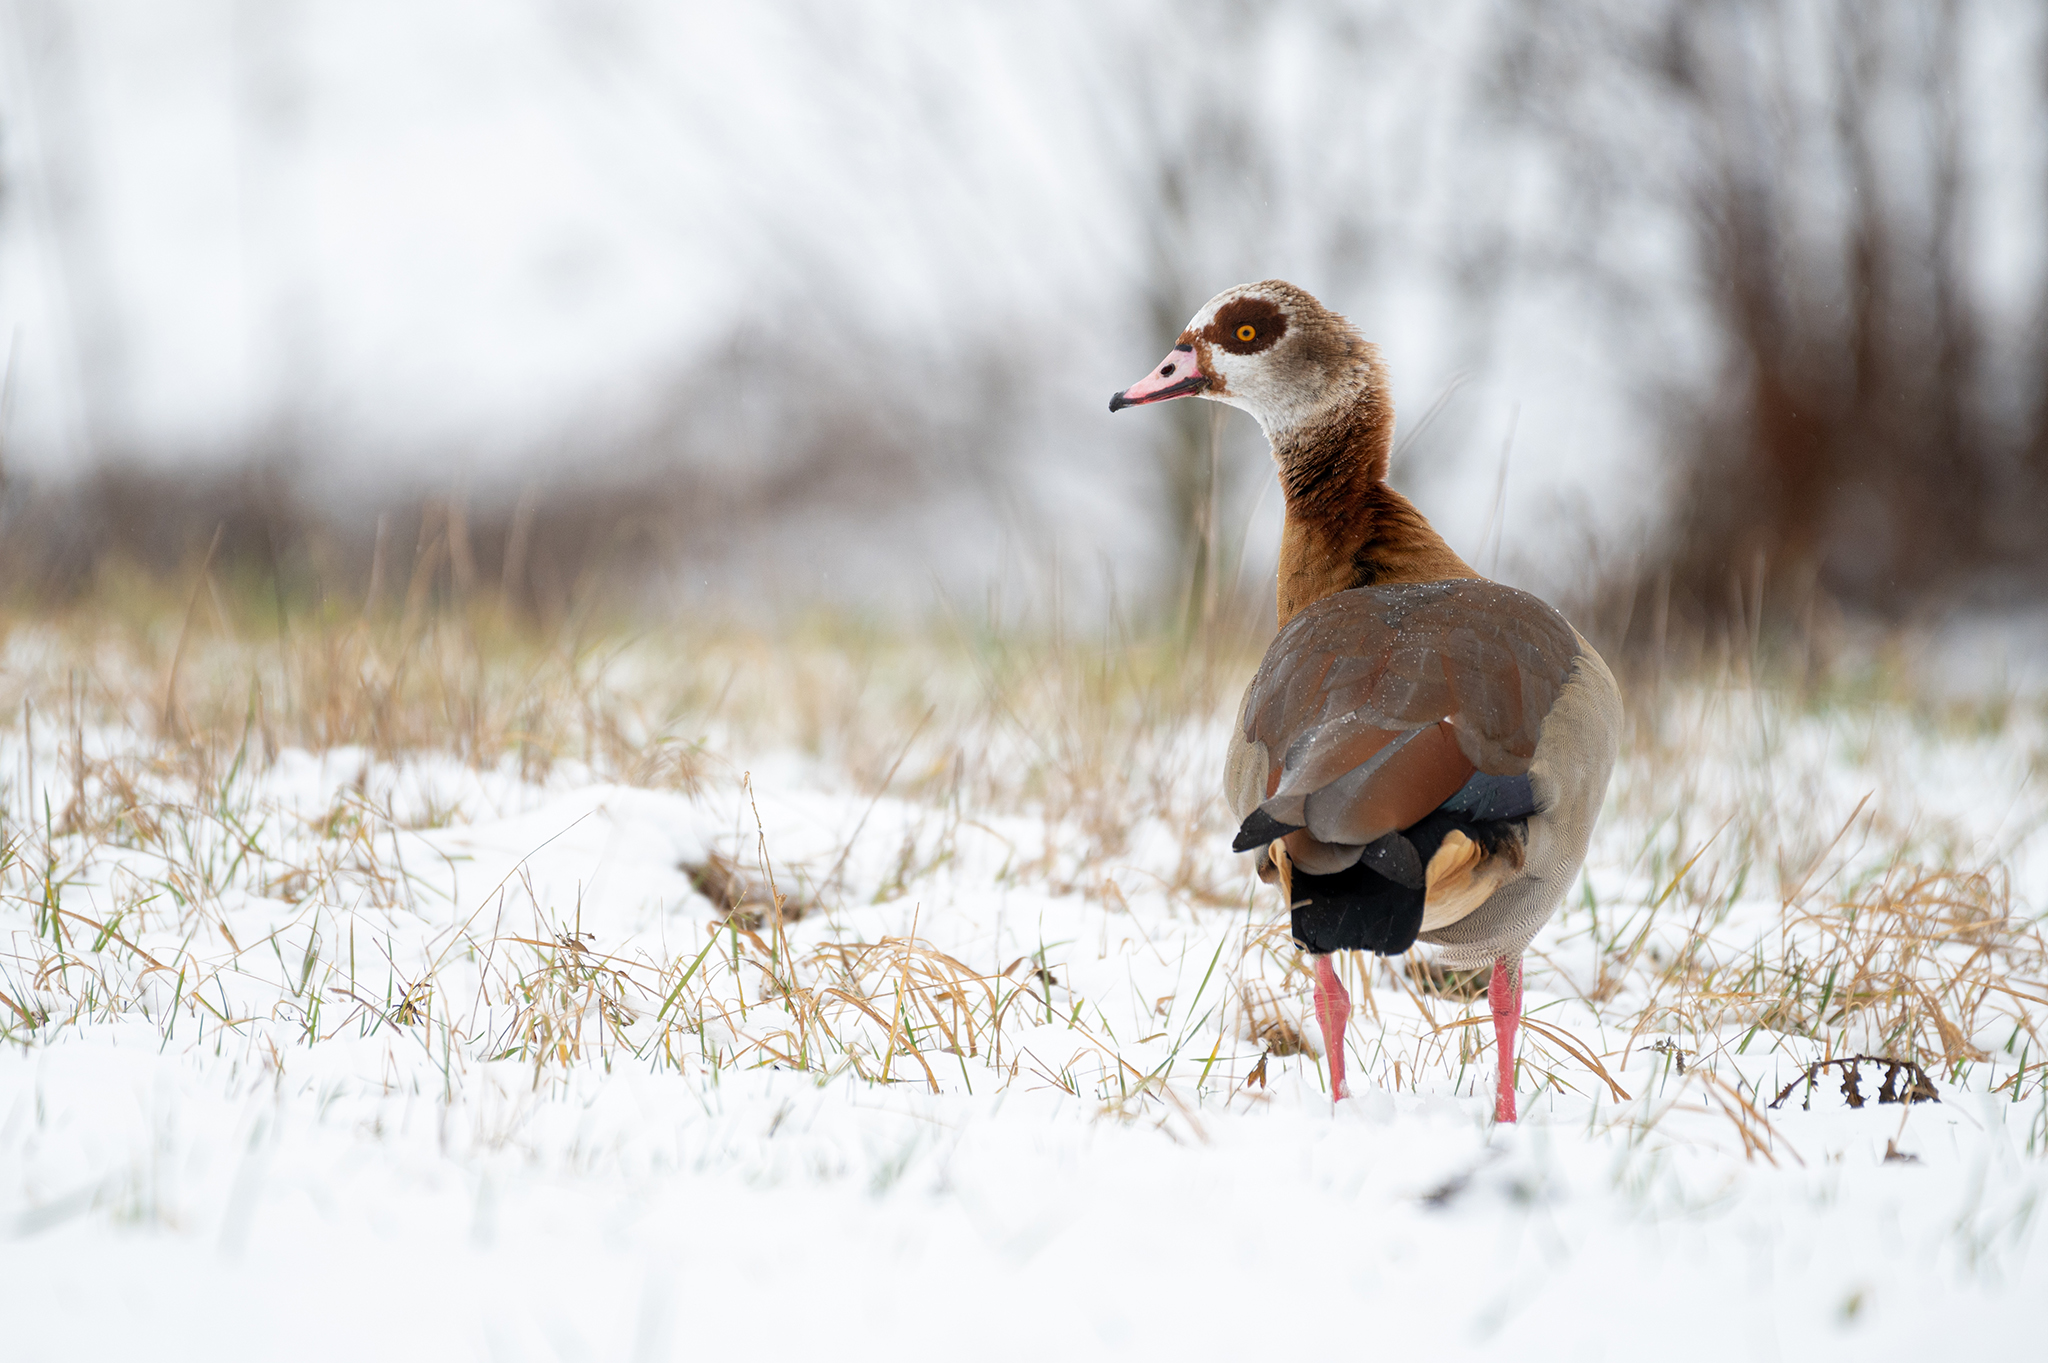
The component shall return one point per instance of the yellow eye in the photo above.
(1247, 332)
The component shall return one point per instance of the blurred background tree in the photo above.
(1718, 311)
(1848, 180)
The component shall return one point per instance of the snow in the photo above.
(195, 1162)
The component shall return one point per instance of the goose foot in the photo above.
(1504, 993)
(1333, 1011)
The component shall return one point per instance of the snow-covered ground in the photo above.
(321, 1054)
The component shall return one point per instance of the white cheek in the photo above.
(1242, 386)
(1253, 386)
(1240, 378)
(1247, 379)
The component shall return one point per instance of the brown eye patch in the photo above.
(1245, 326)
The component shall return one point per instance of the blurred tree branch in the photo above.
(1818, 154)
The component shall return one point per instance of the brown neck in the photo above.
(1345, 526)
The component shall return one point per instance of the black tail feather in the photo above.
(1258, 829)
(1359, 909)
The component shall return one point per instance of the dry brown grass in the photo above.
(139, 718)
(158, 702)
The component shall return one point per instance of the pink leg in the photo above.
(1333, 1011)
(1504, 992)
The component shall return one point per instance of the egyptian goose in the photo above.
(1423, 752)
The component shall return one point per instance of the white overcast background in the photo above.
(455, 243)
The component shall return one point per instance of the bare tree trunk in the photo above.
(2034, 464)
(1846, 447)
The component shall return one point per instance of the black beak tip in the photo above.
(1117, 402)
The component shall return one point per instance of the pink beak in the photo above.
(1177, 376)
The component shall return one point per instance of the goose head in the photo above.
(1270, 349)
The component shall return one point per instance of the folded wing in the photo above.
(1378, 706)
